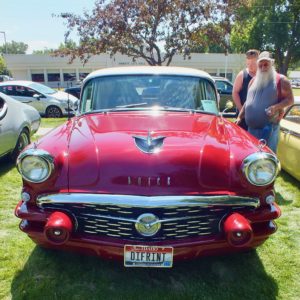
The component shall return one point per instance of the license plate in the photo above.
(148, 256)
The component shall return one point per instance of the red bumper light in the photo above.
(238, 230)
(58, 228)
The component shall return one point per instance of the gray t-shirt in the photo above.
(256, 104)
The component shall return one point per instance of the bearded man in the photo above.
(268, 94)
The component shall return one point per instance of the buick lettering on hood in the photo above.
(149, 173)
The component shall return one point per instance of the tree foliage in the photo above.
(67, 45)
(272, 25)
(14, 48)
(154, 30)
(3, 68)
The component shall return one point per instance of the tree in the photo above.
(14, 48)
(44, 51)
(154, 30)
(3, 68)
(272, 25)
(68, 44)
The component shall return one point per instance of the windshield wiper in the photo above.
(132, 105)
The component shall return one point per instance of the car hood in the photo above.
(59, 95)
(200, 153)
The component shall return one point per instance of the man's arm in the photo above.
(237, 86)
(287, 97)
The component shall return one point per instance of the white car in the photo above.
(15, 131)
(48, 102)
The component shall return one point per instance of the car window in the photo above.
(43, 89)
(224, 86)
(293, 114)
(23, 91)
(8, 90)
(182, 92)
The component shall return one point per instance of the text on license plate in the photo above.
(148, 256)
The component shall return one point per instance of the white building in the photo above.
(58, 72)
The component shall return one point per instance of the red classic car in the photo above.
(148, 172)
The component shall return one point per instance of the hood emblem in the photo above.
(148, 144)
(147, 224)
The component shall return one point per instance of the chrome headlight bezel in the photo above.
(40, 154)
(254, 158)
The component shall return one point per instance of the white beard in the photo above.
(262, 79)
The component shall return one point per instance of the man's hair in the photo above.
(252, 53)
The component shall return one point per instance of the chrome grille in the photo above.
(119, 221)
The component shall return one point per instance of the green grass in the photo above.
(52, 122)
(30, 272)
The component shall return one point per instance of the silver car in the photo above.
(48, 102)
(18, 122)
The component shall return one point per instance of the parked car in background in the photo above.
(47, 101)
(289, 140)
(5, 78)
(18, 122)
(295, 83)
(151, 177)
(224, 88)
(74, 90)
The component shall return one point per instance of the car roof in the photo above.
(148, 70)
(17, 82)
(220, 78)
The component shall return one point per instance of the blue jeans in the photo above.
(270, 133)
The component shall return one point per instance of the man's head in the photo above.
(265, 61)
(251, 59)
(265, 70)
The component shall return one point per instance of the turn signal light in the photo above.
(238, 230)
(58, 228)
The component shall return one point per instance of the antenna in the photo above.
(69, 117)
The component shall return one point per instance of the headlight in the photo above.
(261, 168)
(35, 165)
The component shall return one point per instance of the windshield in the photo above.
(43, 89)
(145, 91)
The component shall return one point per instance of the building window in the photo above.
(53, 75)
(71, 76)
(83, 74)
(38, 77)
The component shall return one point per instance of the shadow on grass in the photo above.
(51, 274)
(6, 164)
(288, 179)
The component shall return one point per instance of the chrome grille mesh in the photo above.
(118, 221)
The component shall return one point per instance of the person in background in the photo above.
(268, 94)
(240, 86)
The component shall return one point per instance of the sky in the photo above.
(31, 21)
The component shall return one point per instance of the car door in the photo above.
(28, 96)
(7, 134)
(289, 141)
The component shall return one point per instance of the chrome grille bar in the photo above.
(148, 201)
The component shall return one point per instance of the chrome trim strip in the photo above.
(147, 201)
(291, 132)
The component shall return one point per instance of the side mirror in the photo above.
(3, 108)
(76, 104)
(37, 96)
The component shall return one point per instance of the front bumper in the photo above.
(34, 219)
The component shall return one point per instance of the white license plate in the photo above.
(148, 256)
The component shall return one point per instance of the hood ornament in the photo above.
(149, 144)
